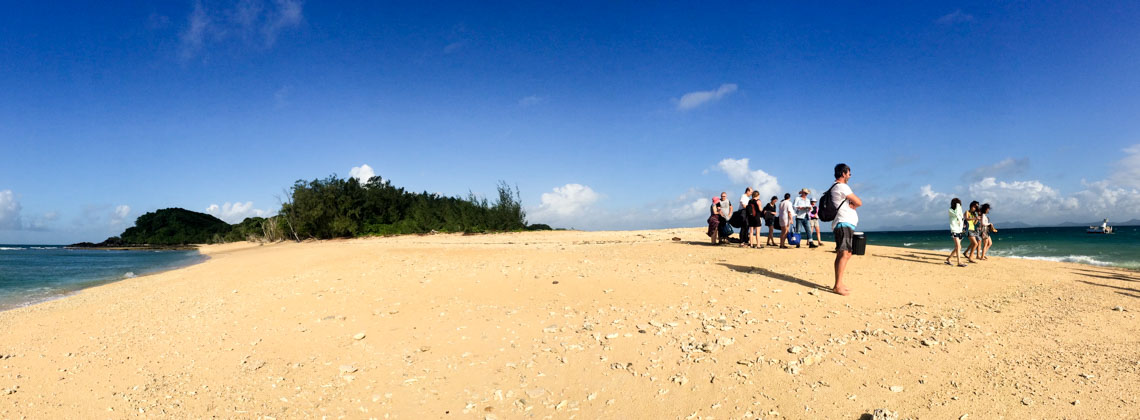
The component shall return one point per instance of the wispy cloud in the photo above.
(1005, 168)
(1127, 169)
(954, 18)
(281, 97)
(531, 101)
(255, 22)
(695, 99)
(453, 47)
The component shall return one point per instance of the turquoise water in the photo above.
(1067, 244)
(31, 274)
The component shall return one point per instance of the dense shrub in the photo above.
(338, 208)
(174, 226)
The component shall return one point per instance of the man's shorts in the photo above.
(815, 224)
(844, 236)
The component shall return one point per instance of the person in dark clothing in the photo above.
(754, 214)
(770, 219)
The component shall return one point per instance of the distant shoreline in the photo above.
(134, 248)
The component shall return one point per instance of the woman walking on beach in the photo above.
(972, 230)
(956, 231)
(986, 228)
(770, 219)
(754, 215)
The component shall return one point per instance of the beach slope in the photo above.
(645, 324)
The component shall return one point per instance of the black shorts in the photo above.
(844, 236)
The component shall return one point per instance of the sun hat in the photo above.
(805, 191)
(716, 199)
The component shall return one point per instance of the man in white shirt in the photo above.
(803, 207)
(786, 215)
(844, 224)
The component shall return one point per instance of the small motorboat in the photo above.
(1103, 228)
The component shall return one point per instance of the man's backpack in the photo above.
(827, 208)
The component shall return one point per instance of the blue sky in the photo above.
(606, 116)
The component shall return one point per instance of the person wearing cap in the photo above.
(714, 220)
(814, 217)
(803, 208)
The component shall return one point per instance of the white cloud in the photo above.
(257, 22)
(739, 172)
(235, 212)
(1100, 199)
(955, 17)
(1031, 198)
(119, 214)
(694, 99)
(362, 173)
(572, 206)
(566, 201)
(530, 101)
(9, 211)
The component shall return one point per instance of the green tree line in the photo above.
(337, 208)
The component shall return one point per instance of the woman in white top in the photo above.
(956, 231)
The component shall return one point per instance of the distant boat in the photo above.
(1103, 228)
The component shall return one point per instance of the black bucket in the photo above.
(859, 243)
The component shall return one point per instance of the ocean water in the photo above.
(1067, 244)
(31, 274)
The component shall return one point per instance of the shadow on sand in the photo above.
(915, 260)
(1127, 291)
(772, 274)
(1107, 275)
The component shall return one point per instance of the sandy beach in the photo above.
(579, 325)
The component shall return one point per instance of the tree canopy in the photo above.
(174, 226)
(336, 208)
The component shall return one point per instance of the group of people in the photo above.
(799, 215)
(974, 224)
(789, 216)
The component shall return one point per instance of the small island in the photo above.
(329, 208)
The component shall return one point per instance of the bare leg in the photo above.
(783, 234)
(956, 253)
(973, 246)
(818, 236)
(771, 229)
(841, 258)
